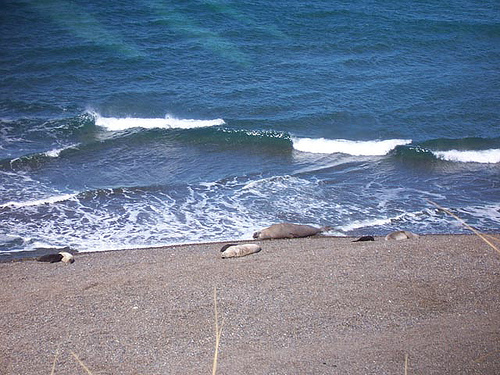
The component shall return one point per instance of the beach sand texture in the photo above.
(320, 305)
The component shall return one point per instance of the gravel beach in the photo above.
(319, 305)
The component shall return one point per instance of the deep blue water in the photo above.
(144, 123)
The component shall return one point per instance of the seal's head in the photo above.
(226, 246)
(256, 235)
(67, 257)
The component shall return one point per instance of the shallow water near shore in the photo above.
(154, 123)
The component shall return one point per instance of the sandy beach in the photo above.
(319, 305)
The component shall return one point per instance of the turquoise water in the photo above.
(149, 123)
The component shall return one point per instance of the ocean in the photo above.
(146, 123)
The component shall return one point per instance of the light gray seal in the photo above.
(288, 230)
(234, 250)
(401, 235)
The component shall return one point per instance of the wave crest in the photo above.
(344, 146)
(491, 156)
(168, 122)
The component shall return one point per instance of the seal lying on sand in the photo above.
(233, 250)
(62, 256)
(364, 238)
(401, 235)
(288, 230)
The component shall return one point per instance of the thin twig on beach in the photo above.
(483, 357)
(218, 332)
(81, 363)
(491, 237)
(406, 364)
(55, 360)
(475, 231)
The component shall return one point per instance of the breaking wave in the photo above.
(491, 156)
(344, 146)
(168, 122)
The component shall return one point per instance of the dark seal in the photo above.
(364, 238)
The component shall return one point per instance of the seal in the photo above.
(288, 230)
(364, 238)
(62, 256)
(401, 235)
(235, 250)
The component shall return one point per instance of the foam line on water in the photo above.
(38, 202)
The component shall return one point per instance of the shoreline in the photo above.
(315, 305)
(32, 255)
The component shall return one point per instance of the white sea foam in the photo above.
(38, 202)
(54, 153)
(344, 146)
(488, 216)
(168, 122)
(482, 156)
(364, 224)
(46, 245)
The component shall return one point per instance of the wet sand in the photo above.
(320, 305)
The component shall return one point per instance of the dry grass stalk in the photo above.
(491, 237)
(55, 360)
(483, 237)
(475, 231)
(218, 332)
(483, 357)
(81, 363)
(406, 364)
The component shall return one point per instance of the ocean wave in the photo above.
(467, 143)
(491, 156)
(168, 122)
(262, 134)
(467, 150)
(270, 140)
(344, 146)
(56, 152)
(34, 160)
